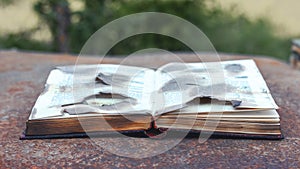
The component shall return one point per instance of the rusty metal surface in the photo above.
(23, 75)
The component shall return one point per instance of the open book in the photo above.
(229, 98)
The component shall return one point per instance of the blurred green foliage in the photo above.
(23, 40)
(4, 3)
(228, 30)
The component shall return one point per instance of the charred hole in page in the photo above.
(110, 79)
(207, 100)
(100, 102)
(234, 68)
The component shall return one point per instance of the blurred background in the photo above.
(233, 26)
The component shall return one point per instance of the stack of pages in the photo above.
(228, 98)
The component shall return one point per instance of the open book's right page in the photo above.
(238, 82)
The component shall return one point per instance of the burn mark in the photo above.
(235, 68)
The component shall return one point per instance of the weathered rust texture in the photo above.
(22, 78)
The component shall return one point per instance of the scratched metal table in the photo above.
(23, 75)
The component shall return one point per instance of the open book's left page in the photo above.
(95, 89)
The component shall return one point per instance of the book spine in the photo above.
(154, 131)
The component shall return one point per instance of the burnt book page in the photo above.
(77, 90)
(238, 82)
